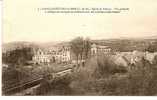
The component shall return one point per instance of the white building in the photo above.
(59, 55)
(41, 57)
(96, 49)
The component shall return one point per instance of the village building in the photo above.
(41, 57)
(96, 49)
(61, 54)
(56, 54)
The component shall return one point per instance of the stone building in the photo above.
(55, 54)
(41, 57)
(96, 49)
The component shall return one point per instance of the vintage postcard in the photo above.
(79, 48)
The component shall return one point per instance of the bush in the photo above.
(57, 86)
(142, 81)
(98, 78)
(107, 67)
(86, 79)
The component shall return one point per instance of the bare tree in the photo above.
(87, 47)
(77, 47)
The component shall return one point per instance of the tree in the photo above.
(87, 47)
(81, 48)
(77, 47)
(151, 47)
(19, 56)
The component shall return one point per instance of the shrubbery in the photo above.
(102, 77)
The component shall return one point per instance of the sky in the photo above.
(23, 22)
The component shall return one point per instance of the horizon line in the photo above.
(145, 37)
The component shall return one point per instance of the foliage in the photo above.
(77, 46)
(151, 47)
(142, 80)
(86, 79)
(80, 47)
(139, 81)
(155, 60)
(106, 66)
(18, 56)
(87, 47)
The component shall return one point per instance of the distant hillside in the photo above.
(128, 44)
(13, 45)
(122, 44)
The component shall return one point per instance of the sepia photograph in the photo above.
(79, 48)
